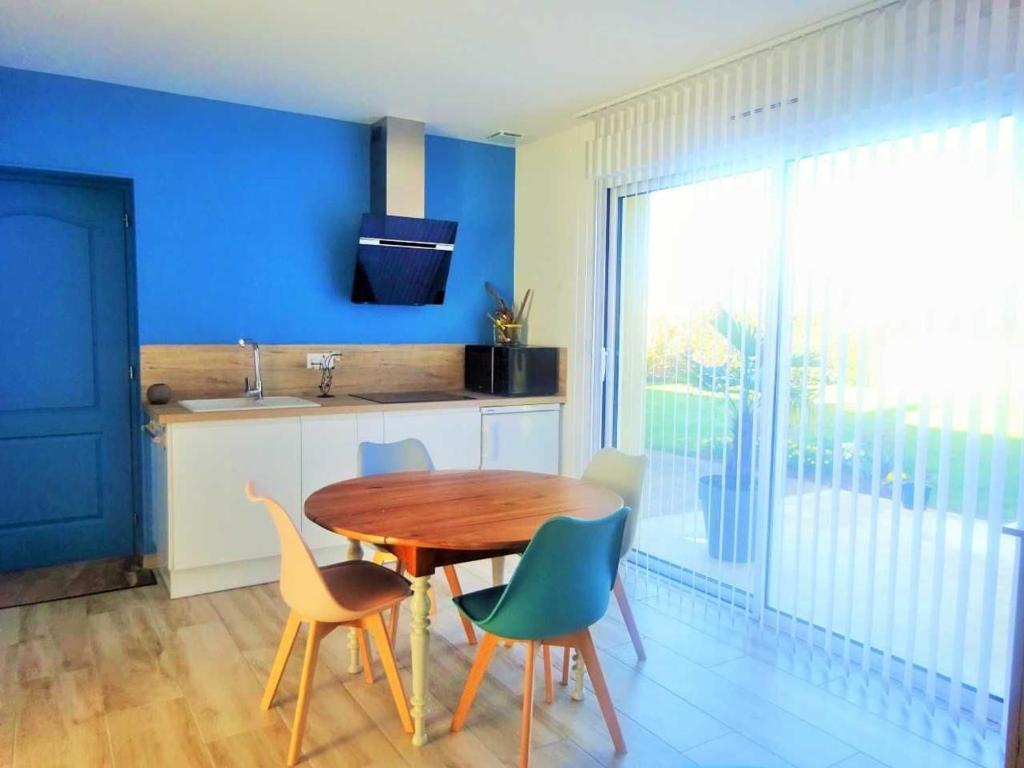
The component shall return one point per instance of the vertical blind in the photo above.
(814, 281)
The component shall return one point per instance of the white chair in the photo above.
(624, 474)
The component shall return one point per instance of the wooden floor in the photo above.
(133, 679)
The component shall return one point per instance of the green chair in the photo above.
(409, 455)
(560, 588)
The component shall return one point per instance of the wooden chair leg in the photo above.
(497, 571)
(393, 624)
(364, 654)
(375, 625)
(549, 688)
(526, 727)
(565, 665)
(627, 616)
(476, 676)
(316, 631)
(604, 698)
(284, 650)
(456, 588)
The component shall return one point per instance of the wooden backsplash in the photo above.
(219, 370)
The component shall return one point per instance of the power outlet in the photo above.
(315, 359)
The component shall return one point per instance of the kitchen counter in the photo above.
(173, 413)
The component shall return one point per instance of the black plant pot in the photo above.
(907, 494)
(728, 516)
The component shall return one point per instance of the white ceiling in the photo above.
(465, 67)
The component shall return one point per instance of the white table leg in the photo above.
(577, 676)
(497, 570)
(419, 638)
(355, 552)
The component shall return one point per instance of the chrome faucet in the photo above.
(256, 390)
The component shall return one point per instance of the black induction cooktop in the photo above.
(411, 397)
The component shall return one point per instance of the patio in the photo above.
(846, 585)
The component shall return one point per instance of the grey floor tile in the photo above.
(735, 751)
(860, 760)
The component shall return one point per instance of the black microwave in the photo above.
(512, 371)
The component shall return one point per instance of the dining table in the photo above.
(429, 520)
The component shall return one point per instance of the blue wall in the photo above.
(247, 218)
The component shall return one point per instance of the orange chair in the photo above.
(350, 594)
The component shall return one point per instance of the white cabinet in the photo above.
(216, 539)
(524, 437)
(211, 521)
(328, 456)
(329, 448)
(451, 435)
(371, 427)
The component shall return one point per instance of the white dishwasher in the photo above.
(525, 437)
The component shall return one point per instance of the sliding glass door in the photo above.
(901, 407)
(695, 274)
(824, 361)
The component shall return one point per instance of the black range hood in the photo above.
(402, 257)
(402, 260)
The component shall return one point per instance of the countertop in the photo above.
(173, 413)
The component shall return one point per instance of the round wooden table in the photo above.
(433, 519)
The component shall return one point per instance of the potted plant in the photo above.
(907, 490)
(508, 321)
(728, 499)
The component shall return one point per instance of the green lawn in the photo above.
(672, 425)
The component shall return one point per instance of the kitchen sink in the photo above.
(246, 403)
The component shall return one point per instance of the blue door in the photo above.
(65, 420)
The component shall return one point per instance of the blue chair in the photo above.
(561, 588)
(409, 455)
